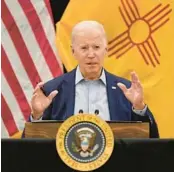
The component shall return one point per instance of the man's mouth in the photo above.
(91, 64)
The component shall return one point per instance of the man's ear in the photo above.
(106, 49)
(72, 49)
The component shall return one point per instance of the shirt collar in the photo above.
(79, 76)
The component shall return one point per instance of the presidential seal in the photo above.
(84, 142)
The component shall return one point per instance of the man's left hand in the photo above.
(135, 93)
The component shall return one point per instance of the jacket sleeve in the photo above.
(148, 117)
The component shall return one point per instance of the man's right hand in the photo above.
(40, 102)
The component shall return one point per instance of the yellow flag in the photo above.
(141, 38)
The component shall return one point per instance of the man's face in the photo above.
(89, 49)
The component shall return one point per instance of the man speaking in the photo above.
(89, 88)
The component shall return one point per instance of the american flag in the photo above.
(28, 55)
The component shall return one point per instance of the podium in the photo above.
(145, 155)
(85, 142)
(133, 150)
(48, 129)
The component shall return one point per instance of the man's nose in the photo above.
(91, 53)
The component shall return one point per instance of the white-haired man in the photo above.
(89, 88)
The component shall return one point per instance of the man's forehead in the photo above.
(88, 25)
(88, 32)
(91, 39)
(91, 32)
(88, 36)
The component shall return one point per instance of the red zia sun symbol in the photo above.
(144, 41)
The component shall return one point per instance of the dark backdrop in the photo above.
(58, 7)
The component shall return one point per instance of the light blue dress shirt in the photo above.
(91, 95)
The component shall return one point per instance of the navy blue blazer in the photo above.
(120, 108)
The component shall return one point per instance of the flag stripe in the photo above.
(30, 40)
(46, 19)
(44, 45)
(12, 103)
(14, 84)
(8, 117)
(16, 64)
(3, 128)
(47, 25)
(29, 56)
(48, 5)
(20, 45)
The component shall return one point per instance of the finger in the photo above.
(122, 87)
(34, 97)
(134, 77)
(38, 86)
(138, 84)
(135, 80)
(52, 94)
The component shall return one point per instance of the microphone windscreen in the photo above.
(80, 111)
(96, 112)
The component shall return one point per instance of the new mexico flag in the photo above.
(141, 38)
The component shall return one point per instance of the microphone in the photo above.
(96, 112)
(80, 111)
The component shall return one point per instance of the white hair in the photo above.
(88, 24)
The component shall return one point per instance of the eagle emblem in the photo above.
(85, 142)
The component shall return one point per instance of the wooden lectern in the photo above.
(48, 129)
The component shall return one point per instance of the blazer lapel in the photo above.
(112, 93)
(113, 96)
(69, 93)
